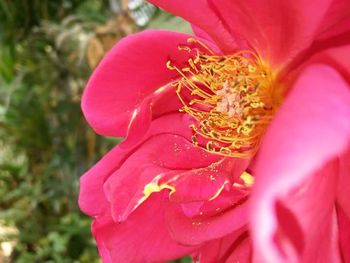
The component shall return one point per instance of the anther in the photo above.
(230, 99)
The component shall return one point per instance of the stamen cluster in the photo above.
(230, 98)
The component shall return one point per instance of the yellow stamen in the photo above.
(248, 181)
(153, 187)
(247, 178)
(230, 97)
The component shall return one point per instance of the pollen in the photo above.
(231, 99)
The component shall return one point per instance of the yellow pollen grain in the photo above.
(231, 98)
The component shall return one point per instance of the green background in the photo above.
(45, 143)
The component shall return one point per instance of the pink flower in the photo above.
(237, 139)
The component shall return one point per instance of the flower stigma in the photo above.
(230, 97)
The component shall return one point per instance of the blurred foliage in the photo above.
(18, 17)
(164, 21)
(45, 143)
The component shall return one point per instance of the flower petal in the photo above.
(201, 33)
(336, 20)
(199, 13)
(333, 56)
(277, 30)
(142, 238)
(206, 183)
(337, 57)
(92, 199)
(344, 233)
(208, 220)
(311, 128)
(140, 175)
(159, 112)
(307, 225)
(343, 192)
(128, 76)
(235, 247)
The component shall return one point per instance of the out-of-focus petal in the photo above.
(128, 77)
(338, 58)
(311, 128)
(343, 192)
(277, 30)
(143, 238)
(307, 225)
(199, 13)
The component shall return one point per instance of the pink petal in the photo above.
(242, 252)
(92, 198)
(337, 57)
(307, 227)
(127, 78)
(199, 13)
(338, 35)
(142, 238)
(158, 157)
(278, 30)
(206, 183)
(336, 20)
(344, 233)
(161, 112)
(201, 33)
(343, 192)
(322, 52)
(208, 220)
(172, 123)
(311, 128)
(235, 247)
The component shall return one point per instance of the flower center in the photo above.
(230, 97)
